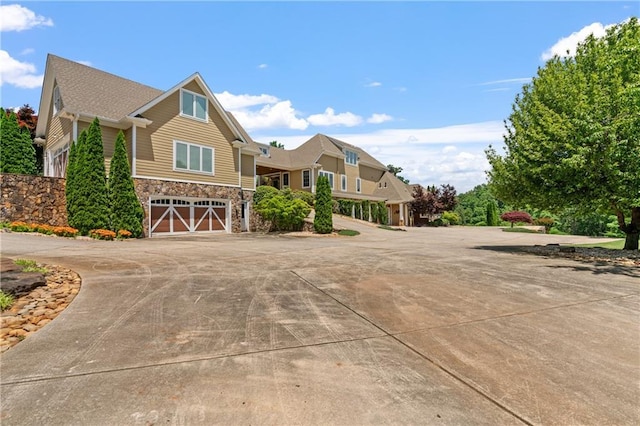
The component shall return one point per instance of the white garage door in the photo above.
(170, 215)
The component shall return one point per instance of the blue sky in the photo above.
(422, 85)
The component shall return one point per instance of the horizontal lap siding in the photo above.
(248, 175)
(58, 128)
(154, 144)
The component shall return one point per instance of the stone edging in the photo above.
(32, 311)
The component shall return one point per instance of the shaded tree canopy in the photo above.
(396, 172)
(276, 144)
(573, 137)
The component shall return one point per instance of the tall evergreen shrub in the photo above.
(71, 186)
(492, 213)
(126, 211)
(17, 154)
(323, 221)
(92, 201)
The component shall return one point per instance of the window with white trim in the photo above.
(358, 185)
(306, 178)
(264, 150)
(350, 157)
(329, 176)
(57, 100)
(193, 105)
(58, 161)
(343, 182)
(285, 179)
(190, 157)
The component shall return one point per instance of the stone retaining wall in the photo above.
(33, 199)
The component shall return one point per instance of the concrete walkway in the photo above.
(428, 326)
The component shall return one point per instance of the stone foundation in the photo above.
(33, 199)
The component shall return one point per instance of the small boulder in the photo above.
(17, 283)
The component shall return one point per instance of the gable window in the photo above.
(351, 157)
(193, 105)
(343, 182)
(329, 176)
(285, 180)
(306, 178)
(57, 100)
(265, 151)
(192, 158)
(358, 185)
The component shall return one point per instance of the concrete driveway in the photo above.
(428, 326)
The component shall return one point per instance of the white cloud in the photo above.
(280, 114)
(233, 102)
(14, 17)
(87, 63)
(330, 118)
(373, 84)
(432, 156)
(19, 74)
(262, 66)
(570, 43)
(379, 118)
(27, 51)
(506, 81)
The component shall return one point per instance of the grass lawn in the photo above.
(615, 244)
(348, 232)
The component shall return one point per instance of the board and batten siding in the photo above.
(154, 144)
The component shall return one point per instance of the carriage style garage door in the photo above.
(171, 215)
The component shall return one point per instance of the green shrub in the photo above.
(306, 196)
(492, 213)
(358, 210)
(547, 222)
(17, 152)
(283, 213)
(264, 191)
(440, 222)
(383, 216)
(6, 300)
(555, 231)
(374, 212)
(366, 205)
(323, 221)
(126, 211)
(30, 266)
(481, 224)
(451, 217)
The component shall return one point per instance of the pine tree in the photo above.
(323, 221)
(126, 211)
(91, 199)
(71, 186)
(17, 154)
(492, 213)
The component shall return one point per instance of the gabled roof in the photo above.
(90, 91)
(307, 154)
(94, 93)
(393, 189)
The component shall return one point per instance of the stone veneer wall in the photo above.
(33, 199)
(145, 188)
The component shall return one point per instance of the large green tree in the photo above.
(17, 154)
(573, 137)
(323, 220)
(126, 211)
(92, 201)
(396, 170)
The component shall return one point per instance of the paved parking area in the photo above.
(428, 326)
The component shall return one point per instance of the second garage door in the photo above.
(170, 215)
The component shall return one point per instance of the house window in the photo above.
(343, 182)
(285, 180)
(193, 105)
(358, 185)
(58, 160)
(265, 151)
(329, 176)
(351, 157)
(192, 158)
(306, 178)
(57, 100)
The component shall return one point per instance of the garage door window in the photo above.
(192, 157)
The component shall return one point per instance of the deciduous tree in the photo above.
(573, 137)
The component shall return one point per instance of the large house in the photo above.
(195, 168)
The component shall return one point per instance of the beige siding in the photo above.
(58, 129)
(155, 143)
(331, 164)
(248, 175)
(370, 177)
(128, 137)
(352, 173)
(295, 180)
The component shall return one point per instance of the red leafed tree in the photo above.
(516, 216)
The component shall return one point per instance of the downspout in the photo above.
(134, 141)
(74, 135)
(240, 167)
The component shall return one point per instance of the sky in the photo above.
(425, 86)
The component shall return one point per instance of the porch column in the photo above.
(134, 140)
